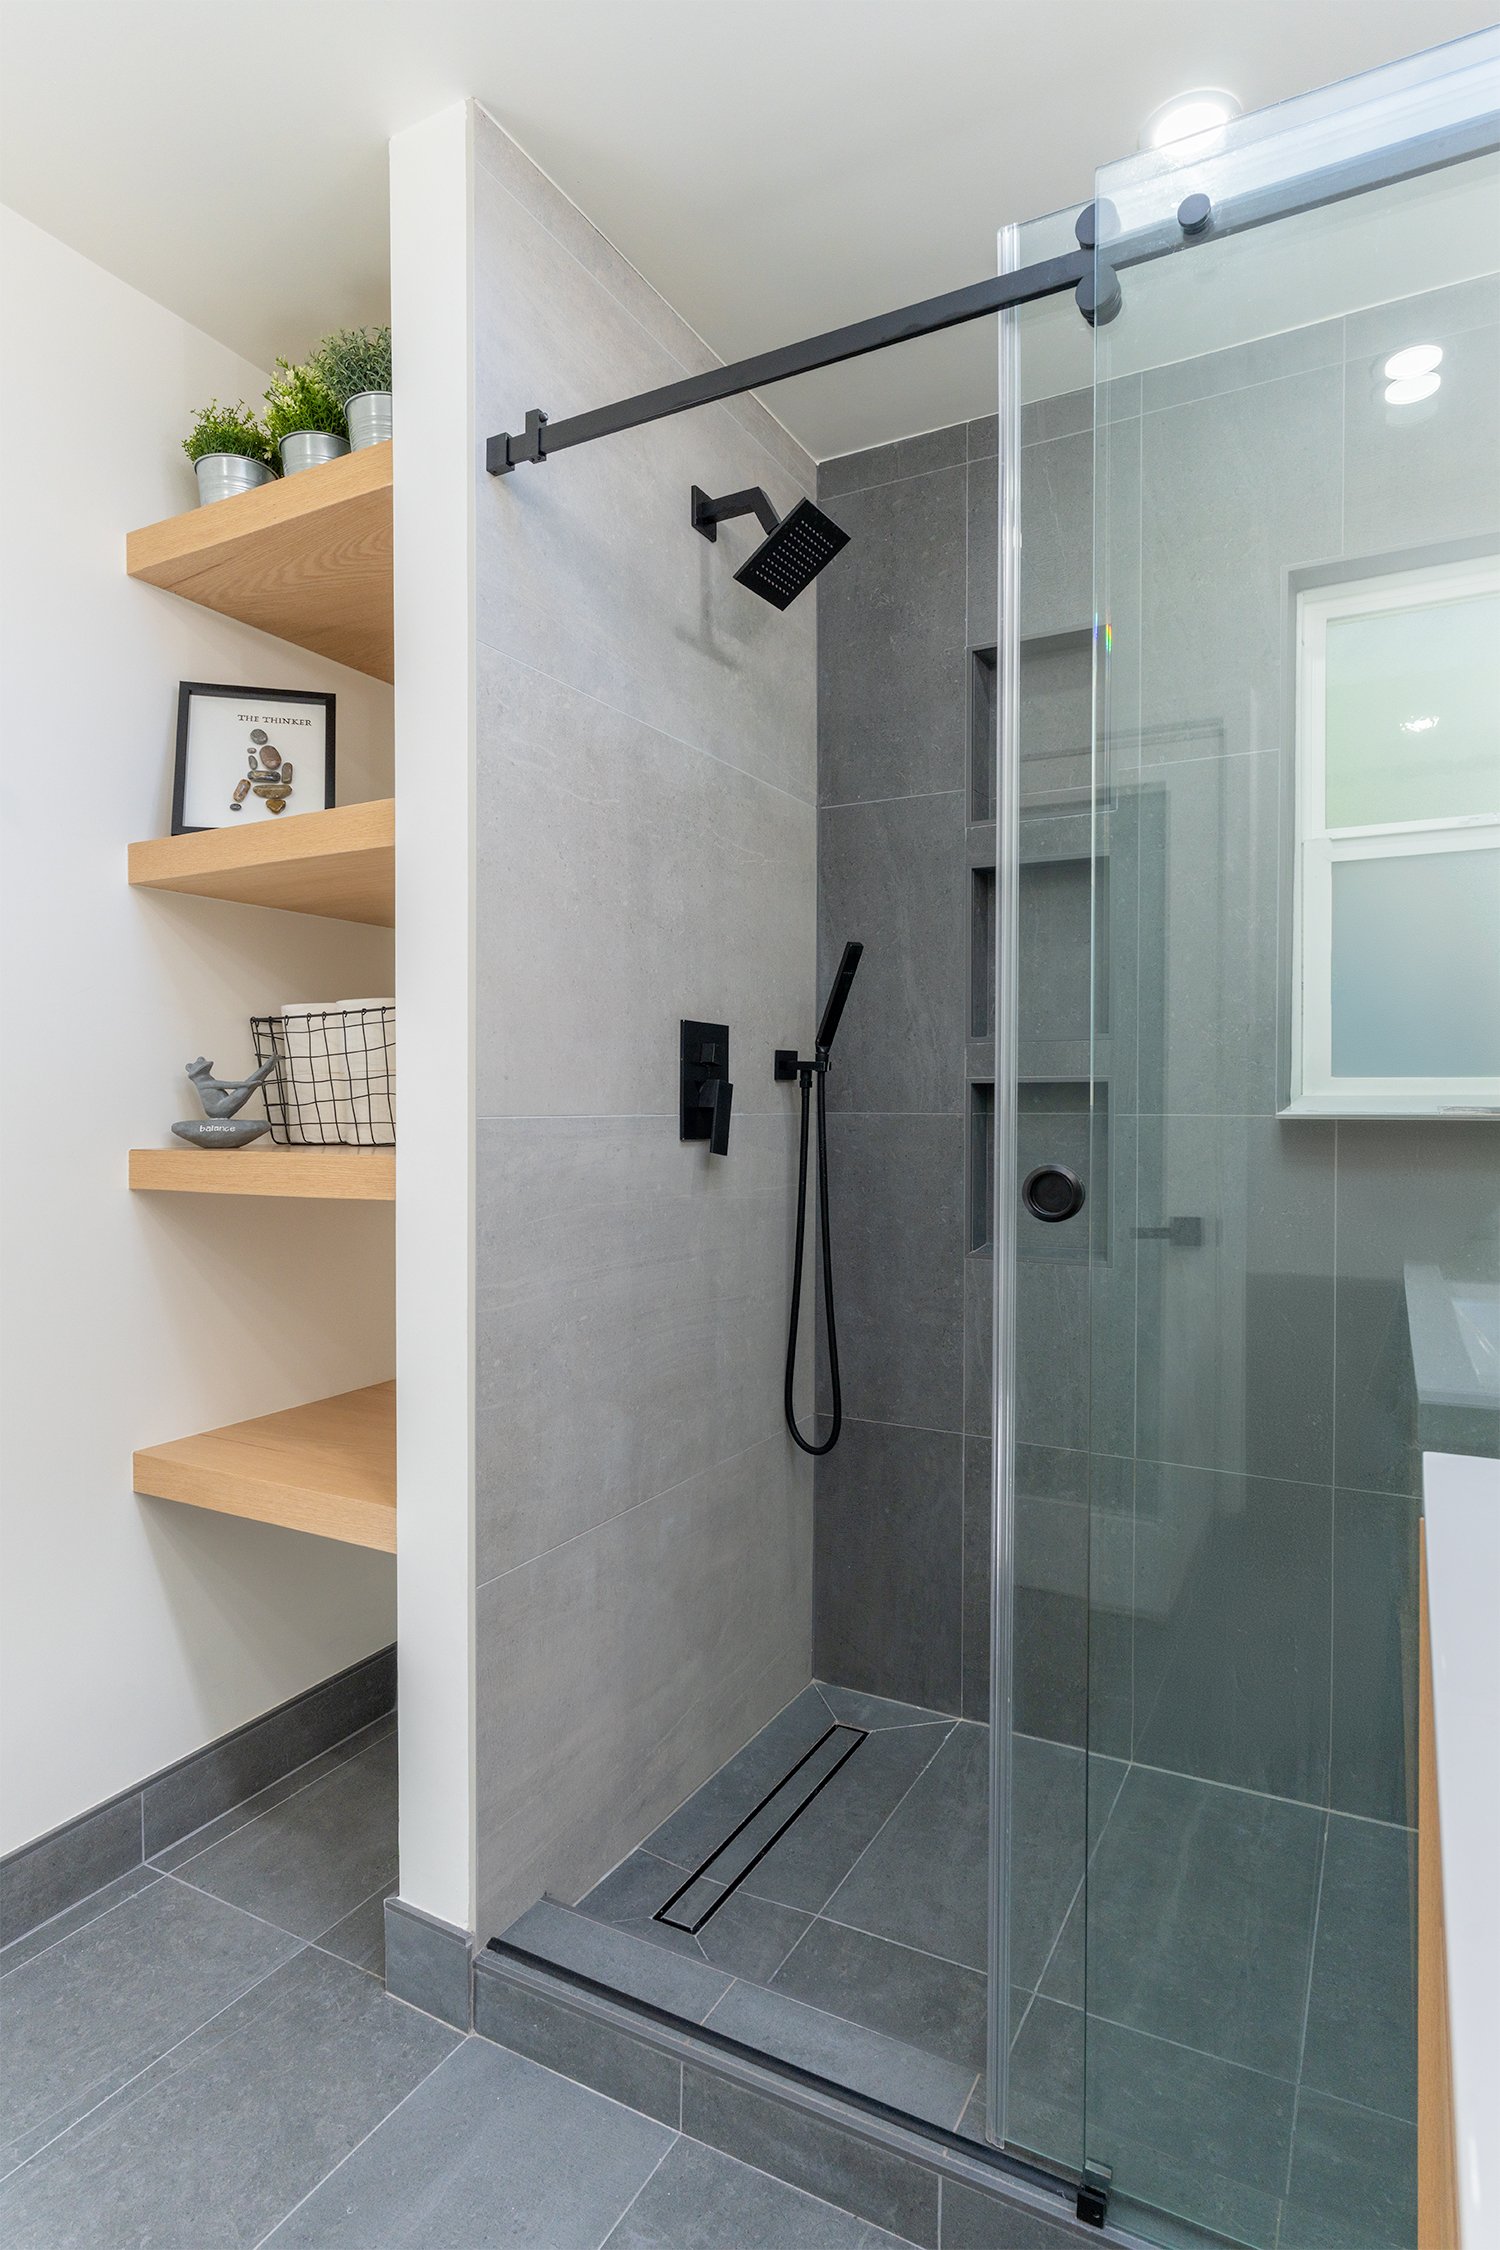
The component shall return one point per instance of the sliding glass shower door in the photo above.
(1296, 843)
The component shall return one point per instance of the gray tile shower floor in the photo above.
(203, 2055)
(1249, 2051)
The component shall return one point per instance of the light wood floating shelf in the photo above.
(307, 558)
(336, 1175)
(340, 863)
(328, 1468)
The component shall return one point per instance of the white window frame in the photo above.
(1315, 1090)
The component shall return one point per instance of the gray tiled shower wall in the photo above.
(1242, 1405)
(646, 816)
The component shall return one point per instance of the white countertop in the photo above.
(1461, 1500)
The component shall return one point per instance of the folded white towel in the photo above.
(313, 1071)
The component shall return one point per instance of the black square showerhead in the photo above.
(794, 550)
(803, 541)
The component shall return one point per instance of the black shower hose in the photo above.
(819, 1070)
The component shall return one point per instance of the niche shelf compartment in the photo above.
(307, 558)
(331, 1175)
(340, 863)
(328, 1468)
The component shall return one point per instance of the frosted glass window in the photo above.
(1395, 1001)
(1415, 982)
(1413, 713)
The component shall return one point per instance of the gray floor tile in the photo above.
(936, 2005)
(877, 1711)
(1049, 1809)
(700, 2199)
(224, 2136)
(491, 2149)
(817, 1852)
(972, 2221)
(88, 2014)
(360, 1937)
(616, 1957)
(275, 1793)
(867, 2062)
(1361, 2024)
(748, 1936)
(315, 1857)
(50, 1933)
(1353, 2182)
(924, 1879)
(688, 1835)
(1202, 2139)
(1200, 1912)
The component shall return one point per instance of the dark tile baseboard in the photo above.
(922, 2183)
(45, 1878)
(427, 1963)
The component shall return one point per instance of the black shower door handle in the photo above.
(1053, 1193)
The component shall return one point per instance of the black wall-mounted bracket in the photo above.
(505, 451)
(705, 1097)
(707, 515)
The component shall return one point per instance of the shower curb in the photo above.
(848, 2148)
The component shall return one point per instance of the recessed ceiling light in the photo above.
(1416, 359)
(1411, 390)
(1195, 112)
(1418, 726)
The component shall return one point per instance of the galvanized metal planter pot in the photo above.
(221, 475)
(368, 414)
(306, 449)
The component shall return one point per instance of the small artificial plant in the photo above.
(352, 360)
(227, 429)
(299, 399)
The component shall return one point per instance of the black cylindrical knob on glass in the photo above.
(1053, 1193)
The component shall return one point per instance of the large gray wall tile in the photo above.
(646, 778)
(1234, 1586)
(1373, 1718)
(893, 875)
(633, 1660)
(889, 1563)
(897, 1208)
(892, 672)
(1236, 489)
(631, 1317)
(1410, 477)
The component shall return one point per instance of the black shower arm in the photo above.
(1195, 222)
(709, 514)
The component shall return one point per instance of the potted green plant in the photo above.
(304, 420)
(229, 449)
(355, 364)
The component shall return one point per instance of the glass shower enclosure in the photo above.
(1249, 717)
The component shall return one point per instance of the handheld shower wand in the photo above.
(789, 1065)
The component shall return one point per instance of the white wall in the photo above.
(431, 267)
(133, 1630)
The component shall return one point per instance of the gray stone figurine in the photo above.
(221, 1098)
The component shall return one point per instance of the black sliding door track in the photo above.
(691, 1929)
(1087, 271)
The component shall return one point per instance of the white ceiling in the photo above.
(773, 166)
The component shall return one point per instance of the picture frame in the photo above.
(248, 755)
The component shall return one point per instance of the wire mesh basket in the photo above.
(334, 1084)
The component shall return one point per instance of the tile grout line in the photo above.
(619, 2221)
(1312, 1962)
(458, 2042)
(880, 1831)
(146, 2068)
(155, 1874)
